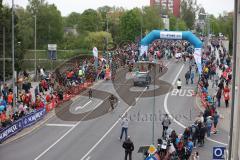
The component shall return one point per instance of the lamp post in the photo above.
(35, 47)
(154, 103)
(13, 57)
(4, 55)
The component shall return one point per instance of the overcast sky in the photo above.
(67, 6)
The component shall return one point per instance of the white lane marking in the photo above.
(180, 124)
(182, 92)
(60, 125)
(88, 158)
(64, 135)
(81, 107)
(109, 130)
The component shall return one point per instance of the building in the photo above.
(70, 30)
(172, 6)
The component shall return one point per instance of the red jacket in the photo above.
(226, 94)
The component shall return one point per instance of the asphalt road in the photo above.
(86, 129)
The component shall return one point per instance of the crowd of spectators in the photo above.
(216, 70)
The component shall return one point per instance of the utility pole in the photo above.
(4, 51)
(154, 101)
(35, 47)
(234, 146)
(13, 58)
(107, 32)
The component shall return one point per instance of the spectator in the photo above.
(10, 98)
(215, 121)
(202, 133)
(189, 147)
(187, 76)
(194, 133)
(129, 148)
(165, 123)
(192, 77)
(124, 125)
(209, 123)
(226, 92)
(219, 96)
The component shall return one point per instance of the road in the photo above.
(86, 129)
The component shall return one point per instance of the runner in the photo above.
(112, 100)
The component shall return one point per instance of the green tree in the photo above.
(151, 18)
(90, 21)
(25, 26)
(97, 39)
(72, 20)
(49, 22)
(181, 25)
(214, 24)
(172, 22)
(188, 12)
(130, 24)
(177, 24)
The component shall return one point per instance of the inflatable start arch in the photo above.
(175, 35)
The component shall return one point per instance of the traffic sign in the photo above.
(152, 149)
(151, 158)
(218, 153)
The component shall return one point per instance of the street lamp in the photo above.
(13, 57)
(35, 46)
(4, 55)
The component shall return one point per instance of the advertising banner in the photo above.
(170, 35)
(198, 59)
(143, 50)
(20, 124)
(11, 130)
(95, 54)
(33, 118)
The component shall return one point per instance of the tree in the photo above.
(97, 39)
(25, 26)
(151, 18)
(49, 22)
(34, 5)
(177, 24)
(188, 12)
(181, 25)
(130, 24)
(172, 22)
(72, 20)
(214, 24)
(104, 11)
(90, 21)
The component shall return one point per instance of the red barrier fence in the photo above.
(72, 92)
(203, 97)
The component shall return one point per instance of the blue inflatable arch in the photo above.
(174, 35)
